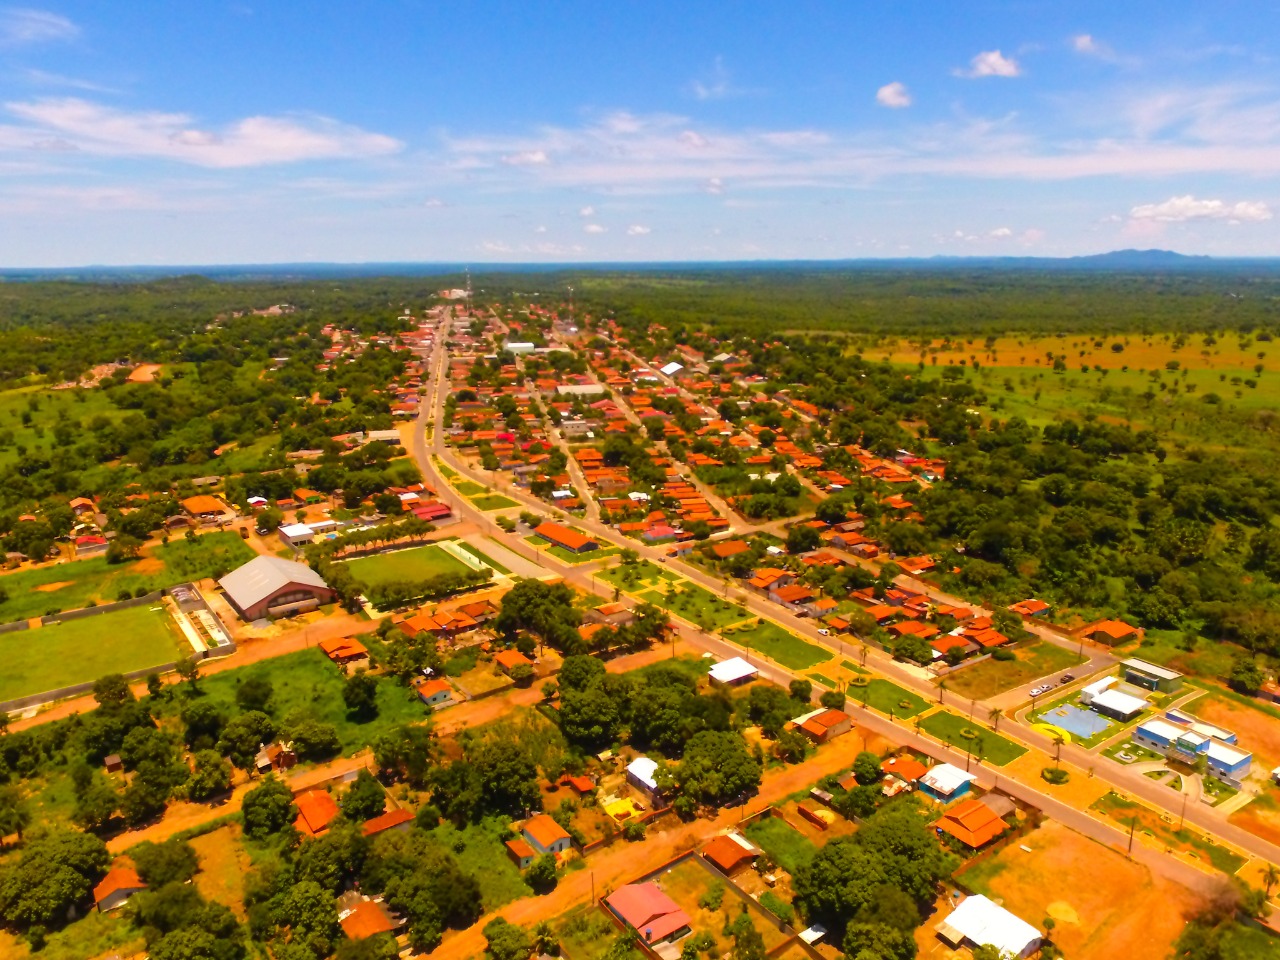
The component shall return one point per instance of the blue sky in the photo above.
(153, 133)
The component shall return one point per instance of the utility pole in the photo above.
(1133, 825)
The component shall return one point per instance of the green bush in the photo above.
(1055, 776)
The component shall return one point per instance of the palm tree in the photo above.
(1057, 750)
(1270, 877)
(942, 687)
(994, 716)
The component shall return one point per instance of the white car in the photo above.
(1036, 691)
(825, 633)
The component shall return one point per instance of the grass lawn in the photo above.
(468, 488)
(307, 684)
(71, 586)
(823, 679)
(990, 677)
(704, 608)
(995, 748)
(80, 651)
(883, 695)
(415, 563)
(631, 577)
(568, 556)
(482, 557)
(778, 644)
(493, 501)
(485, 858)
(787, 847)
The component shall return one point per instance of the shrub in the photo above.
(1055, 775)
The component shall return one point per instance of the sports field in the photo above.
(79, 651)
(416, 563)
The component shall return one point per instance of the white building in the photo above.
(735, 670)
(642, 774)
(296, 534)
(979, 922)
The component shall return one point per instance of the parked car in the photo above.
(825, 633)
(1066, 678)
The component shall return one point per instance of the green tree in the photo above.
(243, 736)
(171, 861)
(54, 872)
(506, 941)
(254, 694)
(365, 798)
(15, 812)
(267, 808)
(866, 768)
(210, 778)
(541, 875)
(717, 767)
(360, 694)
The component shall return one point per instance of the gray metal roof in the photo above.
(263, 576)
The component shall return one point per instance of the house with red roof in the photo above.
(545, 835)
(561, 536)
(120, 883)
(654, 915)
(399, 819)
(971, 822)
(316, 810)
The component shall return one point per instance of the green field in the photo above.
(949, 727)
(80, 651)
(468, 489)
(632, 577)
(885, 696)
(785, 845)
(700, 606)
(94, 581)
(415, 563)
(493, 501)
(779, 645)
(991, 676)
(307, 684)
(479, 850)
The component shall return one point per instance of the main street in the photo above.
(1116, 776)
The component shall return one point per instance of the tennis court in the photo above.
(1076, 721)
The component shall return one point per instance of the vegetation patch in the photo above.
(779, 645)
(987, 745)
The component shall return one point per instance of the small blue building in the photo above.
(945, 783)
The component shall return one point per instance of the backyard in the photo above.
(80, 583)
(412, 564)
(479, 850)
(778, 644)
(969, 735)
(81, 651)
(786, 846)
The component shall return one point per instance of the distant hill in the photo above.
(1127, 261)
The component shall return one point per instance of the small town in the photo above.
(619, 639)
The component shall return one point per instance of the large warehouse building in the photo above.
(274, 587)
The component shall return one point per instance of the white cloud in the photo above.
(991, 63)
(253, 141)
(716, 86)
(527, 158)
(637, 230)
(539, 229)
(43, 78)
(999, 233)
(1182, 209)
(433, 202)
(20, 26)
(714, 186)
(587, 211)
(893, 95)
(593, 228)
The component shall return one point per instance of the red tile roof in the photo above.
(316, 810)
(971, 822)
(386, 821)
(367, 919)
(120, 877)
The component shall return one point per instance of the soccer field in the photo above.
(416, 563)
(80, 651)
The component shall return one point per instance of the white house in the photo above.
(979, 922)
(642, 774)
(731, 672)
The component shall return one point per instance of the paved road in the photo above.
(1113, 774)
